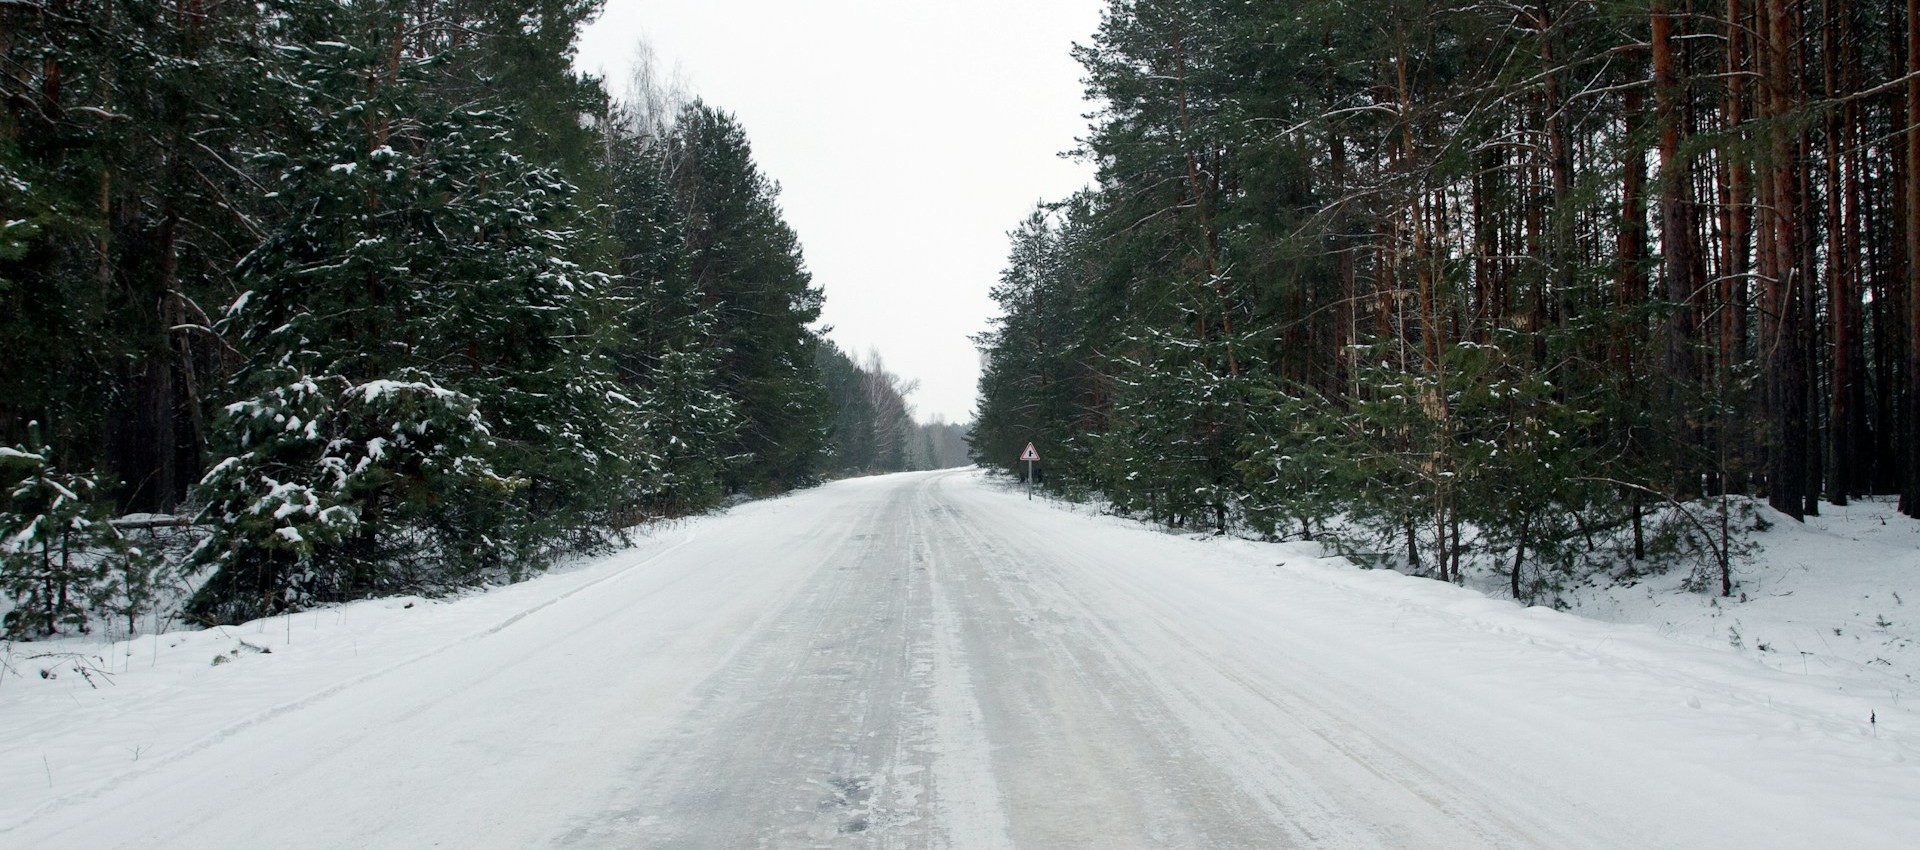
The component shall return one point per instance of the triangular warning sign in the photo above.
(1031, 454)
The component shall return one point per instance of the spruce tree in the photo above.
(417, 409)
(746, 271)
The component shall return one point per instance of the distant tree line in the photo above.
(944, 444)
(874, 429)
(376, 296)
(1479, 283)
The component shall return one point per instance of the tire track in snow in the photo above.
(1145, 768)
(811, 732)
(966, 796)
(1321, 779)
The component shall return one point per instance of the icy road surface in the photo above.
(930, 660)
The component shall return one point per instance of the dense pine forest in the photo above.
(1543, 287)
(307, 300)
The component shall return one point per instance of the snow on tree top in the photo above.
(373, 391)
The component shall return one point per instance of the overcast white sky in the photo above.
(908, 138)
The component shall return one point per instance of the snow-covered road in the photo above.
(929, 660)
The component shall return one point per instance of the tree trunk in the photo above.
(1631, 277)
(1786, 365)
(1910, 408)
(1678, 248)
(1735, 266)
(1843, 266)
(1889, 281)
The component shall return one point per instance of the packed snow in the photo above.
(931, 660)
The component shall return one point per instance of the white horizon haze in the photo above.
(908, 138)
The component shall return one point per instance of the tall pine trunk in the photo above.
(1678, 246)
(1786, 363)
(1910, 408)
(1843, 301)
(1735, 267)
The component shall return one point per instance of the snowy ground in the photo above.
(1838, 595)
(929, 660)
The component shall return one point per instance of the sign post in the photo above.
(1031, 456)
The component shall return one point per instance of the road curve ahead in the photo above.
(931, 661)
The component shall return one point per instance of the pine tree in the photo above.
(60, 556)
(873, 430)
(746, 271)
(665, 347)
(417, 409)
(1419, 240)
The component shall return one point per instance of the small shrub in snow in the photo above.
(61, 558)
